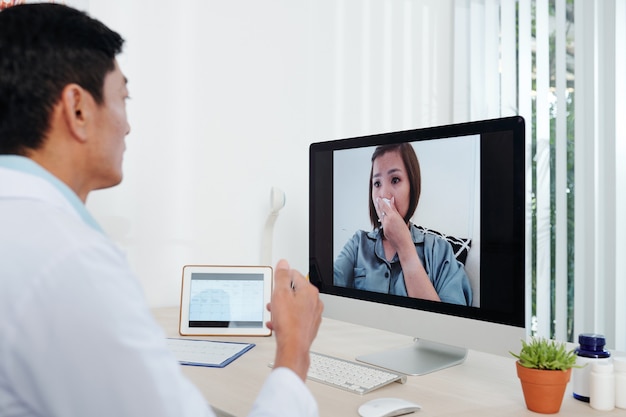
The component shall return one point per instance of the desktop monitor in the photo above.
(469, 222)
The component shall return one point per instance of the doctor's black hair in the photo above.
(43, 48)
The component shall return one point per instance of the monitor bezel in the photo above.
(511, 312)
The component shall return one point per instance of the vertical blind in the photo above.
(561, 65)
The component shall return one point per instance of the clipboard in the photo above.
(209, 353)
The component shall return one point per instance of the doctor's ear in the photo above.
(76, 103)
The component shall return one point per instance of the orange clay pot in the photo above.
(543, 389)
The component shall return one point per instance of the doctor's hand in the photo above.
(296, 316)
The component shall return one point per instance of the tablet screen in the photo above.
(225, 300)
(233, 300)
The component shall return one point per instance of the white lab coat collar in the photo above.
(22, 177)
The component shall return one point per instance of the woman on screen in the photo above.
(396, 257)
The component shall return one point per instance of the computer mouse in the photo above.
(387, 407)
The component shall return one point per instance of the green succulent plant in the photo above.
(546, 354)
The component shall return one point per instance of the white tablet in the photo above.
(225, 300)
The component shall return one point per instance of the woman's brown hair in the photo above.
(412, 166)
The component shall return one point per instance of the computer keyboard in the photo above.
(350, 376)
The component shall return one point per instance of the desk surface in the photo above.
(484, 385)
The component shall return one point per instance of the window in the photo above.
(557, 63)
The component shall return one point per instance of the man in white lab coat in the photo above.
(76, 335)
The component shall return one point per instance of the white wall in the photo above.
(226, 98)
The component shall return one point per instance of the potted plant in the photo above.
(544, 368)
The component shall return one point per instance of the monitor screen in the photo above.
(427, 220)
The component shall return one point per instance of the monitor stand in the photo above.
(422, 357)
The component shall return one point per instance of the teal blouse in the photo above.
(362, 265)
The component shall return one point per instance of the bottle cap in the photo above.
(591, 341)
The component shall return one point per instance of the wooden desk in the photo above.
(484, 385)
